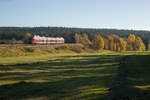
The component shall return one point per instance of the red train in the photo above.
(47, 40)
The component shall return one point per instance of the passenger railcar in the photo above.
(47, 40)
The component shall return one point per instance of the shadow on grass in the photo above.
(64, 61)
(73, 67)
(86, 78)
(139, 75)
(133, 72)
(67, 88)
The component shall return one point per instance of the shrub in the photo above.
(28, 49)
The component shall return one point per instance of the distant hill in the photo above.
(8, 33)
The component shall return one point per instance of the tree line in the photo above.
(9, 34)
(111, 42)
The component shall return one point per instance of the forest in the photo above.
(18, 33)
(112, 42)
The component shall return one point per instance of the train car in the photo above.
(47, 40)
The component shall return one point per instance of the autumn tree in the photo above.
(115, 47)
(129, 47)
(131, 42)
(26, 37)
(98, 42)
(77, 38)
(85, 40)
(106, 44)
(131, 38)
(123, 44)
(118, 47)
(140, 46)
(149, 46)
(111, 42)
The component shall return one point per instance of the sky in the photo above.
(118, 14)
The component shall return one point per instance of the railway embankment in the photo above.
(25, 50)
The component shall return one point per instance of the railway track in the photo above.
(32, 45)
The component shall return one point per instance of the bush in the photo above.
(28, 49)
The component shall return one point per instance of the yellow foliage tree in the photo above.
(26, 37)
(115, 47)
(131, 42)
(131, 37)
(98, 42)
(140, 46)
(111, 42)
(77, 38)
(85, 40)
(129, 47)
(123, 44)
(106, 44)
(149, 46)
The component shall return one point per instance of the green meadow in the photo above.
(85, 76)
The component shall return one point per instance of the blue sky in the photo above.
(120, 14)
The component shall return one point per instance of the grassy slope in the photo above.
(17, 51)
(60, 77)
(14, 51)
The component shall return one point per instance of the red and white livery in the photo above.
(47, 40)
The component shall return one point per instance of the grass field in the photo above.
(76, 77)
(139, 76)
